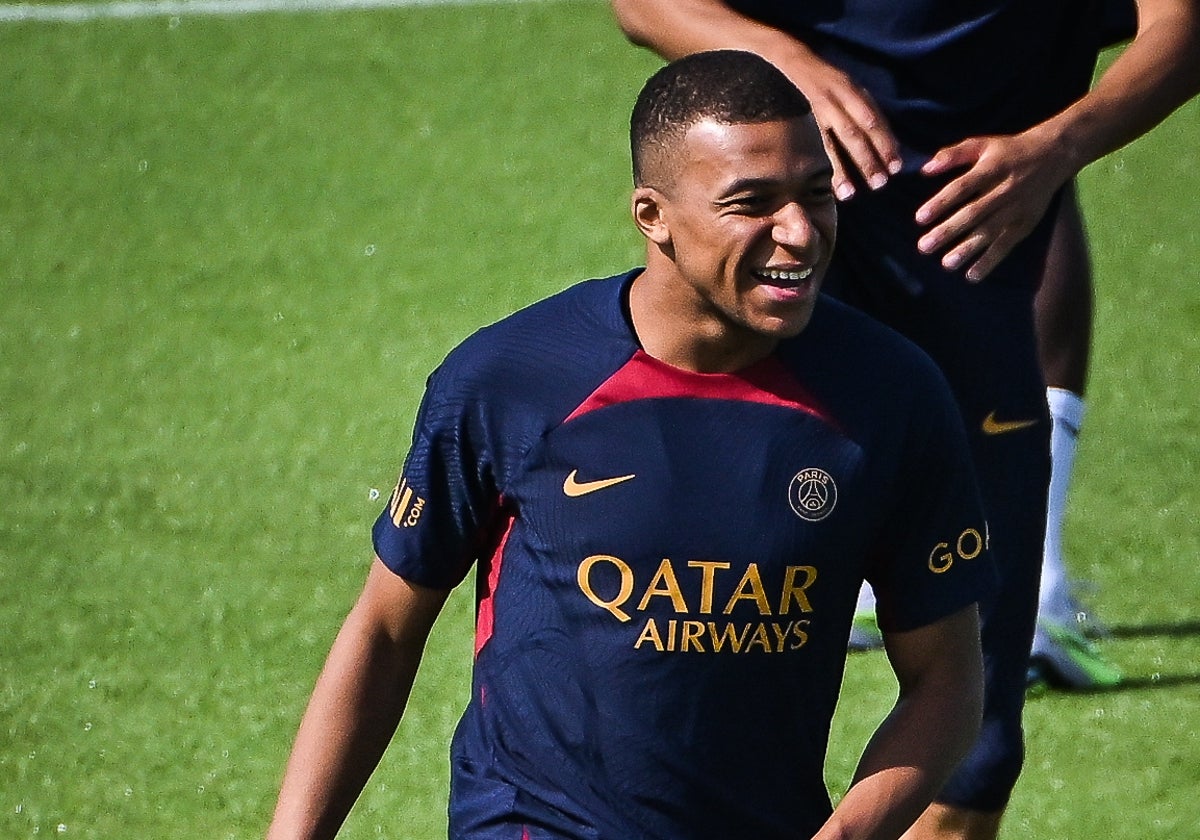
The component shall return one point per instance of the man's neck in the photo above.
(676, 327)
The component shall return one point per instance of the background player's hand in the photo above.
(854, 131)
(983, 213)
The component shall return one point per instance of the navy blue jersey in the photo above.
(942, 70)
(668, 561)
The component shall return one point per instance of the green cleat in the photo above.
(1065, 658)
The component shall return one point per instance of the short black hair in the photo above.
(726, 86)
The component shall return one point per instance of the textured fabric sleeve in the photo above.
(933, 556)
(430, 531)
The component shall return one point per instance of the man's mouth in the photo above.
(783, 277)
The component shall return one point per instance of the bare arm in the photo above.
(1009, 180)
(852, 126)
(356, 705)
(929, 730)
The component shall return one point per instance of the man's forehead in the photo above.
(712, 132)
(796, 142)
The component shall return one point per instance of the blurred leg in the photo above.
(1063, 304)
(1063, 324)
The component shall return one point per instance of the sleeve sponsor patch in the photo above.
(405, 506)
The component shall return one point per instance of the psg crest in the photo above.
(812, 494)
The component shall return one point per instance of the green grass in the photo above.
(230, 251)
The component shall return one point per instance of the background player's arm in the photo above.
(853, 129)
(1009, 180)
(356, 704)
(934, 722)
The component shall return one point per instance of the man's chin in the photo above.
(780, 327)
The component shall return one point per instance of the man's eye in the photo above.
(749, 204)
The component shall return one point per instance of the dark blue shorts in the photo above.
(982, 337)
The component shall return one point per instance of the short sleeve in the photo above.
(435, 521)
(932, 557)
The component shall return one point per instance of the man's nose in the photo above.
(793, 227)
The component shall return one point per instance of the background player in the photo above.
(1061, 653)
(661, 632)
(954, 127)
(1063, 324)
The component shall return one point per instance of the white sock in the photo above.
(866, 599)
(1066, 412)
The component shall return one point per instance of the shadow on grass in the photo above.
(1168, 630)
(1175, 630)
(1155, 681)
(1139, 683)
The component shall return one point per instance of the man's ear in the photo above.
(648, 205)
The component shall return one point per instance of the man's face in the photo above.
(750, 223)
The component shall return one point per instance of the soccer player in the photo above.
(1061, 651)
(952, 128)
(1062, 654)
(672, 483)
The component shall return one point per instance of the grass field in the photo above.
(232, 247)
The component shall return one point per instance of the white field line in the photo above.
(82, 12)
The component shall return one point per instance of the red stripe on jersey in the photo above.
(485, 594)
(645, 377)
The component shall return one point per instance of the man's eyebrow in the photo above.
(745, 185)
(749, 185)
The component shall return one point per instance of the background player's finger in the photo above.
(991, 257)
(856, 145)
(958, 224)
(843, 185)
(964, 153)
(974, 243)
(868, 116)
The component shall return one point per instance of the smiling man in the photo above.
(741, 223)
(671, 484)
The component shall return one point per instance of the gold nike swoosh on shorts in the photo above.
(992, 426)
(574, 488)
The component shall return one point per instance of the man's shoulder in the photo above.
(585, 312)
(556, 340)
(587, 304)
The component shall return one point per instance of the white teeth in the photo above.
(775, 274)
